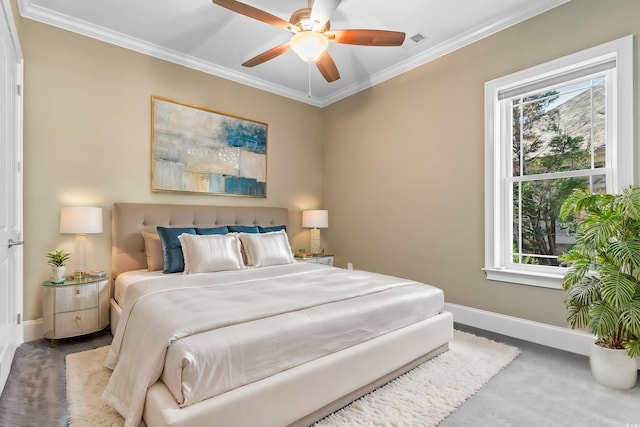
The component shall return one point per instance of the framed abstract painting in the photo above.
(197, 150)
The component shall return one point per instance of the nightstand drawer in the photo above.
(76, 297)
(76, 323)
(326, 260)
(318, 259)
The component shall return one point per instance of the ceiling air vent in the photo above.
(414, 40)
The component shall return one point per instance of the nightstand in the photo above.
(317, 259)
(75, 307)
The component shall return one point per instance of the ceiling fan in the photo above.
(312, 34)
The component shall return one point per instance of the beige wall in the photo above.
(87, 140)
(401, 169)
(404, 173)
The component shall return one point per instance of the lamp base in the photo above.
(81, 257)
(315, 241)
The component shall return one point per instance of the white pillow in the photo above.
(210, 252)
(264, 249)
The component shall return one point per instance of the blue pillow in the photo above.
(171, 248)
(243, 229)
(213, 230)
(272, 228)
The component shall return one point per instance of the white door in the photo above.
(10, 191)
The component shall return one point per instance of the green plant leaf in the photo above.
(584, 292)
(633, 347)
(583, 200)
(572, 278)
(604, 319)
(631, 318)
(598, 229)
(568, 207)
(57, 258)
(577, 256)
(617, 289)
(626, 252)
(629, 202)
(578, 316)
(580, 263)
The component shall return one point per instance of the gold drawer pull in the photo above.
(77, 291)
(78, 318)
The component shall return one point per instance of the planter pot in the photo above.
(58, 274)
(613, 368)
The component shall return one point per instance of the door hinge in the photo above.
(19, 90)
(19, 318)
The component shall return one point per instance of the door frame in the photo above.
(7, 18)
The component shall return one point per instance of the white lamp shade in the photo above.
(81, 220)
(315, 219)
(309, 45)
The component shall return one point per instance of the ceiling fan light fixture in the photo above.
(309, 45)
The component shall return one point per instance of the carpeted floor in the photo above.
(545, 387)
(34, 395)
(421, 398)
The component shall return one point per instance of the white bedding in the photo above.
(126, 279)
(184, 317)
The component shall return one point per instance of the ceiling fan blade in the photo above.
(366, 37)
(322, 11)
(327, 67)
(267, 55)
(255, 13)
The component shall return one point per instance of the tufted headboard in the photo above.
(130, 219)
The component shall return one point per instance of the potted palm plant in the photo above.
(57, 260)
(603, 281)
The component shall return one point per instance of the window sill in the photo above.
(543, 280)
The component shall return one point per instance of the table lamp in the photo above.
(81, 220)
(315, 219)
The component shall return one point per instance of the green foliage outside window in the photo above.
(546, 139)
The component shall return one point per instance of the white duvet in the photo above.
(204, 334)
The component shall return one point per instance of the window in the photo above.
(550, 129)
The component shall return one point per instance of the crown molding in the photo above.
(47, 16)
(451, 45)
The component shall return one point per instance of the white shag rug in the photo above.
(423, 396)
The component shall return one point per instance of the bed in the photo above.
(316, 338)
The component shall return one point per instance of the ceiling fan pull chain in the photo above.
(309, 80)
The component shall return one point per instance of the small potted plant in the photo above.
(603, 281)
(57, 260)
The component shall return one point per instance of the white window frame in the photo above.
(620, 153)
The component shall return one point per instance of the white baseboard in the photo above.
(32, 330)
(540, 333)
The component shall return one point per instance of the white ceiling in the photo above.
(207, 37)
